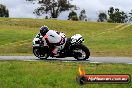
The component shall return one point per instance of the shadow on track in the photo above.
(63, 60)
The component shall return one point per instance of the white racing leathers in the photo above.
(56, 38)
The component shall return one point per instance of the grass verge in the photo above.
(54, 74)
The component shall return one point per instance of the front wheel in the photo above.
(40, 54)
(80, 52)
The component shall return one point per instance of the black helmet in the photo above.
(44, 30)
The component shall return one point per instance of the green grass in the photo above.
(51, 74)
(103, 39)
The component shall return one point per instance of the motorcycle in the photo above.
(73, 48)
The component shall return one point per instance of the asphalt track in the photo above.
(127, 60)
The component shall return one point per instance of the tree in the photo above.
(130, 17)
(46, 17)
(72, 16)
(117, 16)
(102, 17)
(3, 11)
(82, 15)
(54, 7)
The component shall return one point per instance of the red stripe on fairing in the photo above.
(46, 36)
(53, 51)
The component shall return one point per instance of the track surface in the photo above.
(70, 59)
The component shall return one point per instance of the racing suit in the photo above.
(55, 38)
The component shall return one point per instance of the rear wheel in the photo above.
(80, 52)
(40, 54)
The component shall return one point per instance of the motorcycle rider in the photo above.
(52, 37)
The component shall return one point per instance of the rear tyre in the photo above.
(40, 54)
(80, 52)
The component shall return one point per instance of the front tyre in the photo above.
(80, 52)
(40, 54)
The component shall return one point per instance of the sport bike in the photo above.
(73, 48)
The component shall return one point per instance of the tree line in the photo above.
(55, 7)
(114, 15)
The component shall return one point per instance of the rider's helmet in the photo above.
(44, 30)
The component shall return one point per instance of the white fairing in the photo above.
(75, 38)
(37, 39)
(34, 41)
